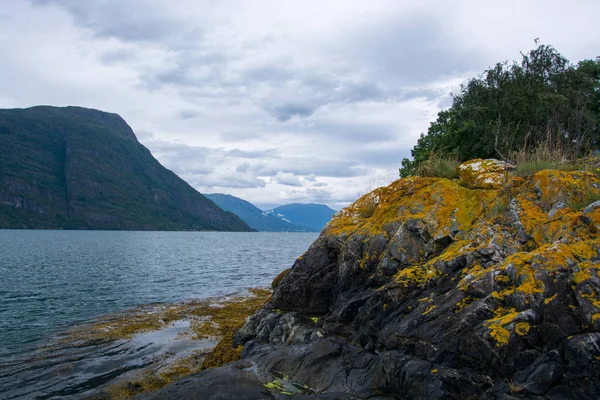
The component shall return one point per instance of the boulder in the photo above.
(484, 174)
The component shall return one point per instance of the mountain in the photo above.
(312, 217)
(252, 215)
(78, 168)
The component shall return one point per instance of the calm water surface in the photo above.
(51, 280)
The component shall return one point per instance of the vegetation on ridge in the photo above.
(78, 168)
(512, 109)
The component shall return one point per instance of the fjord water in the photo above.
(52, 280)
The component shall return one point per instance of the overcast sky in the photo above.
(274, 101)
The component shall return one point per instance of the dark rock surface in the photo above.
(441, 292)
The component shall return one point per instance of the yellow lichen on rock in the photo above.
(522, 328)
(501, 238)
(443, 205)
(484, 174)
(497, 325)
(569, 187)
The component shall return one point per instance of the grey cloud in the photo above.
(382, 157)
(319, 184)
(127, 21)
(357, 132)
(183, 159)
(302, 166)
(286, 178)
(320, 195)
(266, 153)
(187, 114)
(411, 49)
(243, 167)
(240, 136)
(227, 180)
(285, 112)
(305, 166)
(116, 56)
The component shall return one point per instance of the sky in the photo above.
(278, 101)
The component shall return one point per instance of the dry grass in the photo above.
(542, 157)
(438, 166)
(366, 208)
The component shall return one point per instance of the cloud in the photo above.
(229, 94)
(187, 114)
(286, 178)
(266, 153)
(123, 20)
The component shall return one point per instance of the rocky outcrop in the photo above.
(442, 290)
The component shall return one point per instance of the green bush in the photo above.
(544, 99)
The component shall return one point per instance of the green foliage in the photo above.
(516, 107)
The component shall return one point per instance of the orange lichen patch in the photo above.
(499, 334)
(542, 228)
(496, 325)
(472, 274)
(522, 328)
(549, 258)
(418, 275)
(584, 272)
(595, 301)
(593, 217)
(461, 305)
(549, 299)
(443, 205)
(536, 197)
(595, 318)
(484, 174)
(429, 309)
(565, 186)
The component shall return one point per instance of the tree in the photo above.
(513, 107)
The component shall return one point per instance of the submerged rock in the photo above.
(443, 289)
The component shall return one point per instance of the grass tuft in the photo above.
(438, 166)
(542, 157)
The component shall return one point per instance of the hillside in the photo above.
(252, 215)
(77, 168)
(483, 287)
(312, 217)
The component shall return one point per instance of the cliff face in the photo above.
(484, 287)
(79, 168)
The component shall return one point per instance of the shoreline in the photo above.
(134, 351)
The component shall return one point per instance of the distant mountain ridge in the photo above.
(79, 168)
(312, 217)
(288, 218)
(252, 215)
